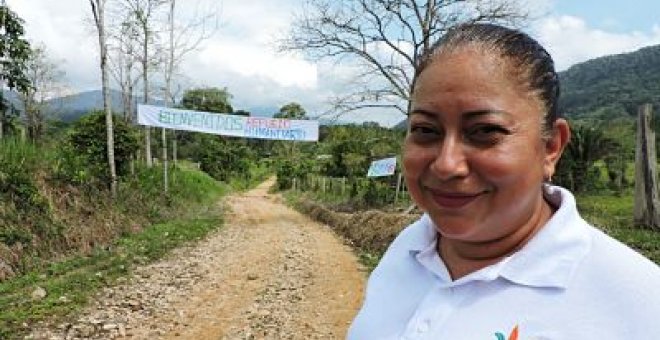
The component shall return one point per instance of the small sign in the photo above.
(382, 167)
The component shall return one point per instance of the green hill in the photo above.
(612, 86)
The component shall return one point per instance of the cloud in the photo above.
(251, 60)
(245, 45)
(68, 39)
(570, 40)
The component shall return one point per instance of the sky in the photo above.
(241, 54)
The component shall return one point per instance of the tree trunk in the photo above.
(98, 11)
(165, 165)
(145, 80)
(106, 104)
(174, 154)
(647, 202)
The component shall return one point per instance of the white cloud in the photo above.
(245, 45)
(570, 40)
(252, 60)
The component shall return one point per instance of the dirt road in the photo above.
(269, 273)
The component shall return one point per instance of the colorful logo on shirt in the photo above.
(512, 336)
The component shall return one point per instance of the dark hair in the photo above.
(533, 63)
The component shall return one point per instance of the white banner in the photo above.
(382, 167)
(229, 125)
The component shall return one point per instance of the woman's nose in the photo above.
(450, 160)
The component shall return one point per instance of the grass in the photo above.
(369, 260)
(187, 213)
(70, 283)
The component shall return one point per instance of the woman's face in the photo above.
(474, 157)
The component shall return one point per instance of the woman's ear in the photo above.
(554, 146)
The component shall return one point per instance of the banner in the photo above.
(382, 167)
(229, 125)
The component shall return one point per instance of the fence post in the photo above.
(647, 202)
(398, 187)
(343, 186)
(294, 184)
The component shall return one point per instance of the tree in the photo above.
(144, 13)
(386, 39)
(44, 77)
(123, 61)
(209, 99)
(98, 10)
(14, 53)
(183, 38)
(86, 141)
(183, 42)
(291, 111)
(587, 145)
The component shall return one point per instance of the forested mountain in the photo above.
(612, 86)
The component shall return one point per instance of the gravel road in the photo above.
(269, 273)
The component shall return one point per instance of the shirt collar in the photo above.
(549, 259)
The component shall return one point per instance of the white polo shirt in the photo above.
(571, 281)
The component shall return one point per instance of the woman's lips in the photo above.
(453, 200)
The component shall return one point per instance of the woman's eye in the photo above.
(423, 132)
(486, 134)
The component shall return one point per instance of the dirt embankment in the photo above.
(269, 273)
(370, 231)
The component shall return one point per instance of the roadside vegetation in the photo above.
(62, 235)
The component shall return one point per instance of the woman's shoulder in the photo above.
(399, 256)
(620, 264)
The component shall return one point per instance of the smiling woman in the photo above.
(499, 250)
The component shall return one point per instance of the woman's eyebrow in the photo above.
(426, 113)
(480, 113)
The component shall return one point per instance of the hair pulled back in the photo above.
(532, 63)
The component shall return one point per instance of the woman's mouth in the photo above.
(453, 200)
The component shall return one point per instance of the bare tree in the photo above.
(386, 39)
(145, 13)
(98, 10)
(45, 82)
(168, 83)
(123, 61)
(183, 38)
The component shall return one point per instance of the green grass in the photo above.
(78, 278)
(614, 215)
(187, 213)
(369, 260)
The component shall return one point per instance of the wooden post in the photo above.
(323, 184)
(294, 184)
(343, 186)
(647, 202)
(398, 188)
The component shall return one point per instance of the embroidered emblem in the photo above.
(512, 336)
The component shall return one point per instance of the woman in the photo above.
(498, 253)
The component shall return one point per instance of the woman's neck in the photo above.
(465, 257)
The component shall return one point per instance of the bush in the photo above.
(88, 143)
(287, 170)
(223, 158)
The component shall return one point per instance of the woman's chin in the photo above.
(454, 228)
